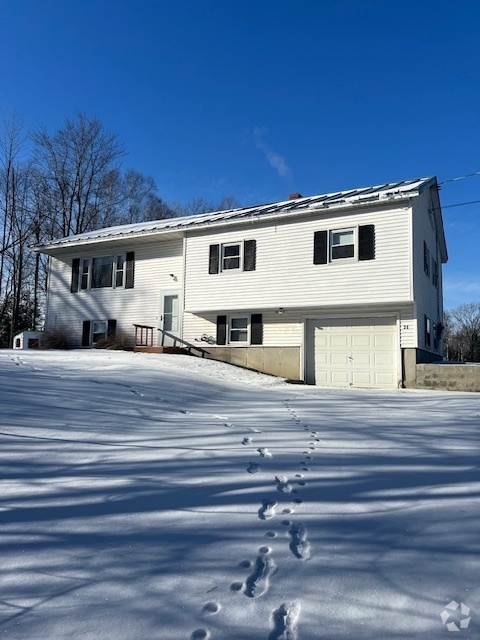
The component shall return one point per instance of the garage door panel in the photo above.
(361, 340)
(339, 378)
(383, 340)
(385, 360)
(359, 352)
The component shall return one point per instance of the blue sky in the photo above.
(257, 99)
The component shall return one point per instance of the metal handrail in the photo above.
(189, 346)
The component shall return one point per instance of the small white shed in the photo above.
(27, 340)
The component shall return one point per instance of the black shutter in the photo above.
(366, 242)
(214, 261)
(86, 333)
(75, 275)
(256, 329)
(130, 270)
(320, 247)
(249, 255)
(111, 328)
(221, 329)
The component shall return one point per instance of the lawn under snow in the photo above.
(148, 497)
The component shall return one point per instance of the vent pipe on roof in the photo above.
(295, 196)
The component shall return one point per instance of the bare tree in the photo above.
(16, 229)
(78, 161)
(462, 332)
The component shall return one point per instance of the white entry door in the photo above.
(355, 352)
(170, 318)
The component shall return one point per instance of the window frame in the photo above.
(435, 274)
(86, 272)
(428, 333)
(426, 259)
(239, 316)
(353, 244)
(224, 258)
(102, 334)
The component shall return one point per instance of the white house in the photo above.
(342, 289)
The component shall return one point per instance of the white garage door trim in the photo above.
(352, 352)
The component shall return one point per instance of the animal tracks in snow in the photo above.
(299, 545)
(257, 582)
(267, 510)
(282, 484)
(264, 452)
(285, 622)
(253, 467)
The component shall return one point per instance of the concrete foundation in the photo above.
(277, 361)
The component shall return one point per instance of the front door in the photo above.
(170, 318)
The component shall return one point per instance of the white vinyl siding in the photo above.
(285, 275)
(427, 296)
(288, 330)
(158, 269)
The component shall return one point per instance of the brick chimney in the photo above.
(295, 196)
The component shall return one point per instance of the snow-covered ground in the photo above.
(148, 497)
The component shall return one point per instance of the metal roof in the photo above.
(354, 197)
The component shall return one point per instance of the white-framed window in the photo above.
(99, 330)
(239, 329)
(342, 244)
(428, 332)
(231, 256)
(103, 271)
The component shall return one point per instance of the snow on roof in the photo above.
(366, 195)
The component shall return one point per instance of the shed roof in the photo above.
(340, 199)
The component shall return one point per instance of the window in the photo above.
(95, 330)
(426, 259)
(237, 330)
(342, 244)
(428, 332)
(435, 273)
(230, 256)
(99, 330)
(114, 271)
(339, 244)
(102, 272)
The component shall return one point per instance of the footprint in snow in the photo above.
(257, 583)
(264, 452)
(253, 467)
(282, 484)
(285, 622)
(200, 634)
(299, 545)
(228, 424)
(247, 441)
(211, 608)
(267, 510)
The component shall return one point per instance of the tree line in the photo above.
(462, 333)
(59, 184)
